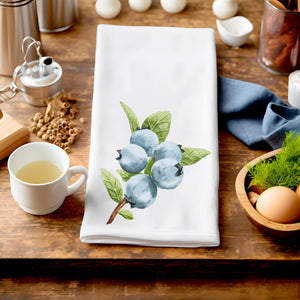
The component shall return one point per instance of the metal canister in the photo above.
(56, 15)
(40, 80)
(18, 19)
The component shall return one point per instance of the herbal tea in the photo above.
(37, 172)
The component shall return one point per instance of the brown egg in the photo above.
(279, 204)
(253, 197)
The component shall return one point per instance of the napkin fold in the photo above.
(254, 114)
(155, 69)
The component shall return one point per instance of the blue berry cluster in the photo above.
(147, 163)
(166, 172)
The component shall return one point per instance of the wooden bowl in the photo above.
(274, 228)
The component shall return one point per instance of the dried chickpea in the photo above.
(37, 117)
(68, 150)
(43, 128)
(34, 129)
(39, 125)
(71, 140)
(51, 138)
(55, 124)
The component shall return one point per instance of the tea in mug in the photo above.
(38, 172)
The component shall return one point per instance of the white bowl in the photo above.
(235, 31)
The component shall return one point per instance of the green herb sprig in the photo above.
(281, 170)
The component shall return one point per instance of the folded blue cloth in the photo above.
(255, 115)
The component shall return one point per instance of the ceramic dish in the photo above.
(235, 31)
(274, 228)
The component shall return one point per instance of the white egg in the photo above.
(173, 6)
(140, 5)
(108, 9)
(225, 9)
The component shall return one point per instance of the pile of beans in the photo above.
(57, 125)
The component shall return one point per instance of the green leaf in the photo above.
(132, 118)
(125, 175)
(160, 123)
(149, 166)
(127, 214)
(283, 169)
(113, 185)
(191, 156)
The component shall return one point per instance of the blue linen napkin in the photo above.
(255, 115)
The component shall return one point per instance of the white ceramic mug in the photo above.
(41, 199)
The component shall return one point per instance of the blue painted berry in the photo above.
(132, 158)
(140, 192)
(168, 150)
(167, 173)
(146, 139)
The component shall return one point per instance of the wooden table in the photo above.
(43, 256)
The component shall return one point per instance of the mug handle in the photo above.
(80, 182)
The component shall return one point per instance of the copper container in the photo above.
(279, 46)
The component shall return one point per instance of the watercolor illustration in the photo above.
(148, 163)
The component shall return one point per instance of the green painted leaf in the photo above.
(113, 185)
(125, 175)
(160, 123)
(149, 166)
(127, 214)
(191, 156)
(132, 118)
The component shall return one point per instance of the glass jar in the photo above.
(279, 45)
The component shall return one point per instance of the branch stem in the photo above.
(116, 210)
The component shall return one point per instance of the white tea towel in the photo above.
(150, 70)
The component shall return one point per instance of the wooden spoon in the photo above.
(278, 4)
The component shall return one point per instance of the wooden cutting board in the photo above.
(12, 134)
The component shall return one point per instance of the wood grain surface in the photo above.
(12, 135)
(47, 240)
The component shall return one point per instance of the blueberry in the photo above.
(168, 150)
(146, 139)
(140, 191)
(132, 158)
(167, 173)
